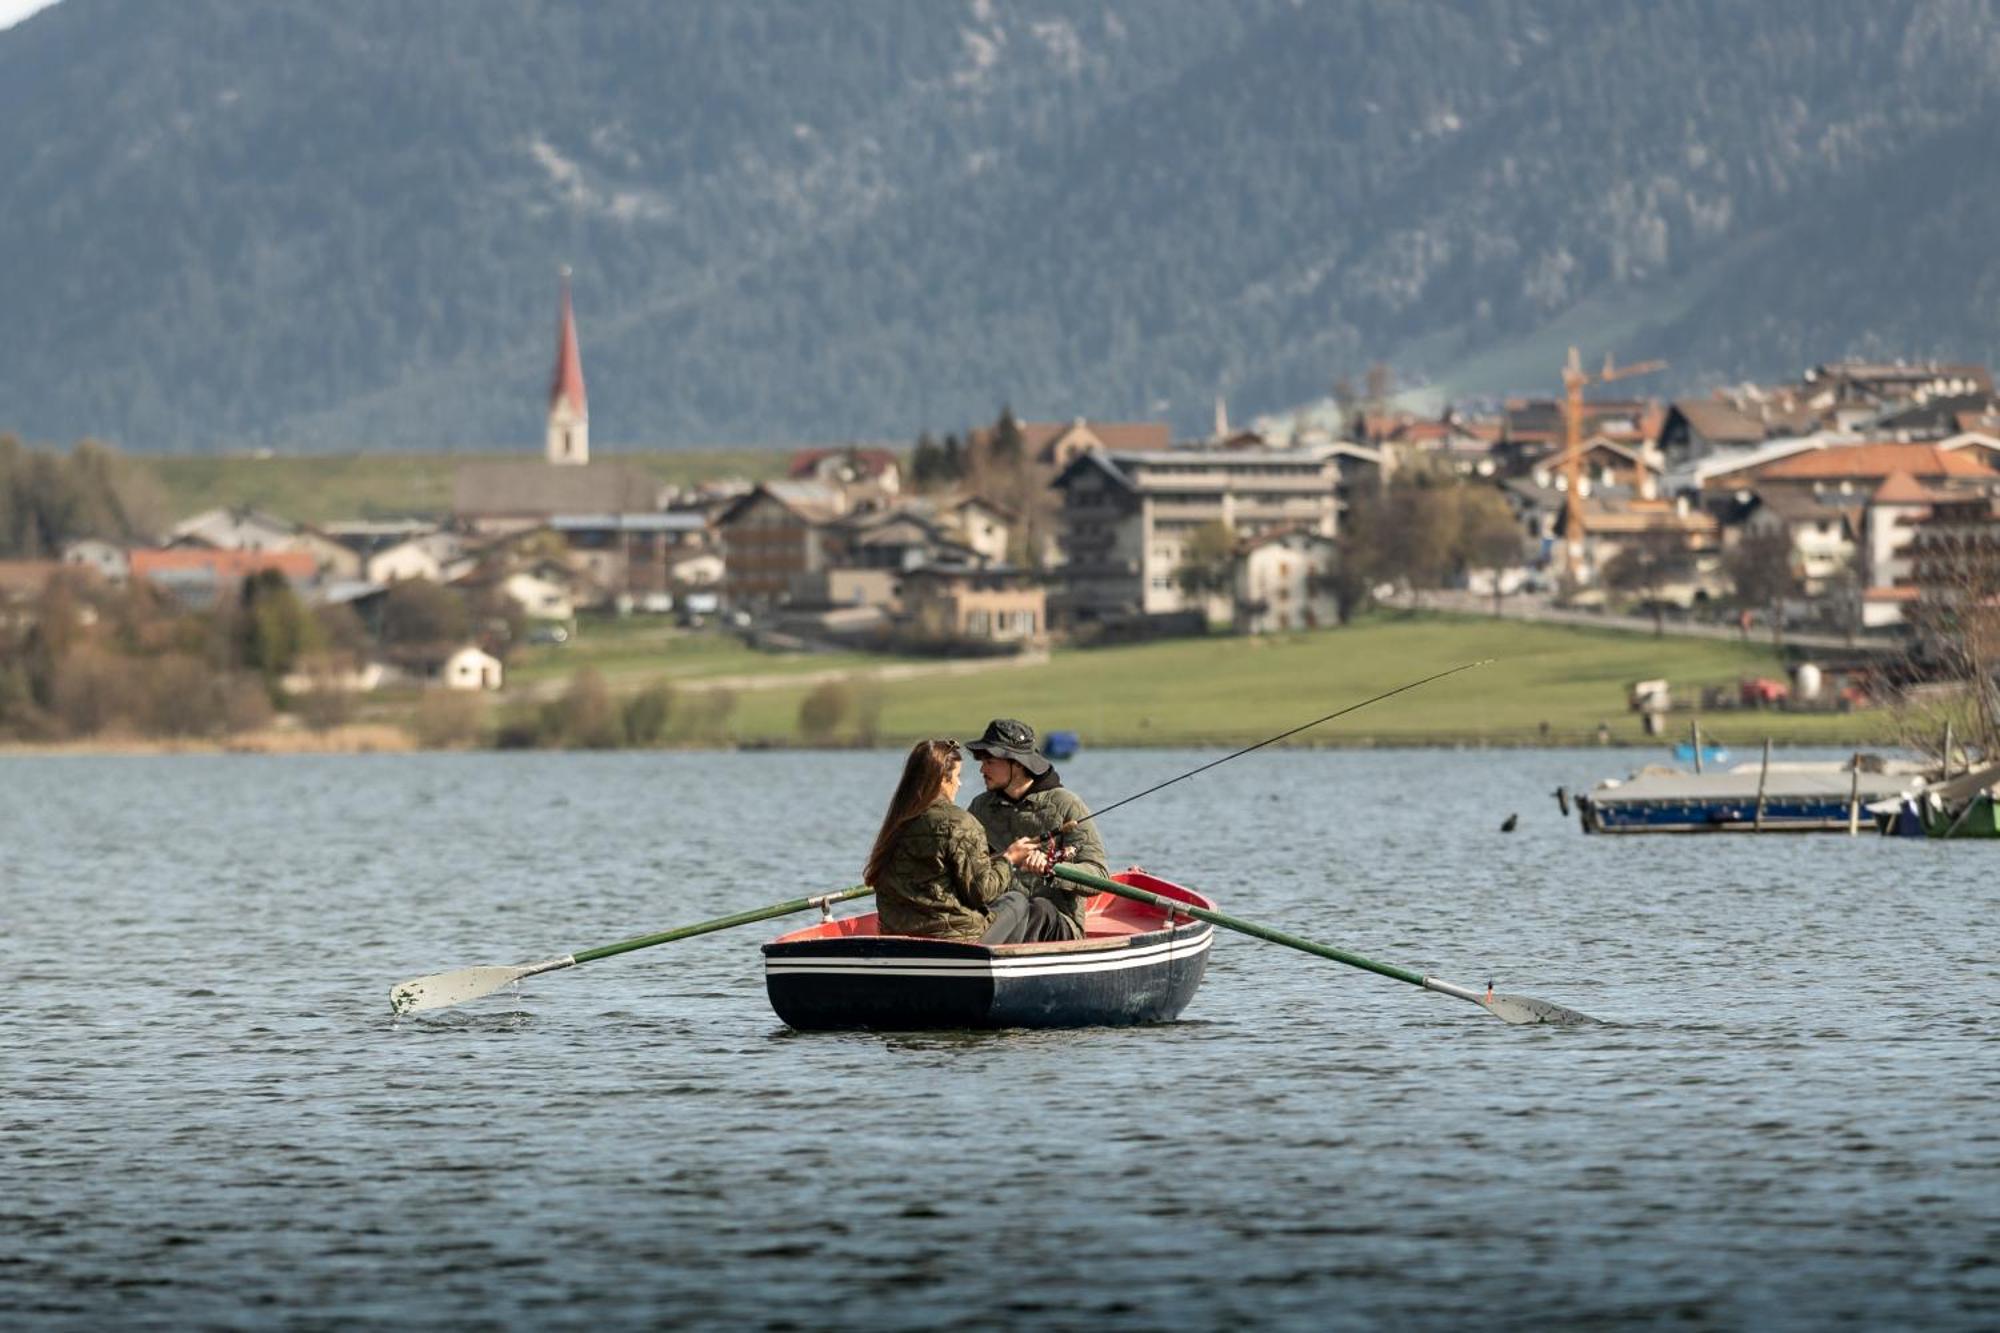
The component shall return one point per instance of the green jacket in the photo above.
(1043, 808)
(939, 877)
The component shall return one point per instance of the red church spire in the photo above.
(568, 381)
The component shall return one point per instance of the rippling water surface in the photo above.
(211, 1119)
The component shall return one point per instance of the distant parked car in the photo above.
(549, 634)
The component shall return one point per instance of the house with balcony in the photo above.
(988, 608)
(778, 530)
(1127, 518)
(1284, 581)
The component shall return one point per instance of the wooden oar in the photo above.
(469, 983)
(1512, 1008)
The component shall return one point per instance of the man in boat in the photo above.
(1024, 797)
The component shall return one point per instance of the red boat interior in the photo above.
(1106, 915)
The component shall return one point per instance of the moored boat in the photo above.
(1967, 806)
(1061, 744)
(1791, 798)
(1685, 751)
(1133, 965)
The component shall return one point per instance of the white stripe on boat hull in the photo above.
(999, 968)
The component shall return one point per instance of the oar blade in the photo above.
(1528, 1009)
(443, 989)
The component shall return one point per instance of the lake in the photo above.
(211, 1118)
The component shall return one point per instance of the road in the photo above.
(1541, 609)
(555, 688)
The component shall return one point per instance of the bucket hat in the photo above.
(1007, 738)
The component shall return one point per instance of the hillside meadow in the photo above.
(323, 488)
(1544, 685)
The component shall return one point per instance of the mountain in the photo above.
(308, 226)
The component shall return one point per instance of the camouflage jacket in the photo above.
(1043, 808)
(940, 878)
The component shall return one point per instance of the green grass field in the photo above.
(322, 488)
(631, 654)
(1233, 691)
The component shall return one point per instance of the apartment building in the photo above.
(1127, 518)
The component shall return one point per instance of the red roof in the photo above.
(867, 462)
(1902, 489)
(223, 564)
(1120, 437)
(568, 381)
(1856, 462)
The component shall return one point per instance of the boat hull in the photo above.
(843, 975)
(1795, 815)
(1791, 801)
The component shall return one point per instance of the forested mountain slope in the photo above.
(316, 226)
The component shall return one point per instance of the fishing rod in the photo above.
(1304, 726)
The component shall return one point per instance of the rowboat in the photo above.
(1685, 751)
(1133, 965)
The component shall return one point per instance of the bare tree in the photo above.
(1760, 567)
(1645, 567)
(1955, 559)
(1489, 536)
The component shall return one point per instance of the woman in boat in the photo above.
(930, 867)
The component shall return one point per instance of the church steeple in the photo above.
(569, 409)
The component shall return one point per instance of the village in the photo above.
(1856, 508)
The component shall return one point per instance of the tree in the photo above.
(341, 630)
(1417, 541)
(1955, 559)
(926, 463)
(274, 627)
(1006, 444)
(1208, 562)
(867, 712)
(823, 709)
(646, 714)
(1358, 568)
(585, 717)
(1489, 535)
(999, 470)
(1760, 567)
(1347, 407)
(448, 719)
(709, 711)
(1645, 566)
(1381, 383)
(48, 500)
(417, 613)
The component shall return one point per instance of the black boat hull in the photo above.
(843, 975)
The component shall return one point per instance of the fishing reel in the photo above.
(1056, 850)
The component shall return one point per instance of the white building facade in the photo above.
(1128, 518)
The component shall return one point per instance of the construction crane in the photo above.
(1574, 378)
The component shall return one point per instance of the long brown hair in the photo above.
(924, 773)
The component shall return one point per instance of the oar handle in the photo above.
(1103, 885)
(723, 923)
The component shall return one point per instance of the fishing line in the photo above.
(1304, 726)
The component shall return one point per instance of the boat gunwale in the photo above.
(1169, 925)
